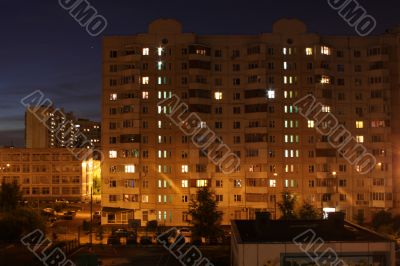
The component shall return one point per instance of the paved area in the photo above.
(153, 255)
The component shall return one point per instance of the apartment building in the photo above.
(243, 88)
(49, 174)
(49, 127)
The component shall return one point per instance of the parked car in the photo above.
(62, 201)
(69, 215)
(49, 211)
(185, 232)
(121, 232)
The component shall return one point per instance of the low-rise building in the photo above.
(265, 242)
(49, 173)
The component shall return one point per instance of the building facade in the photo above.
(48, 174)
(244, 88)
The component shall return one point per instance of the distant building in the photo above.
(46, 127)
(264, 242)
(49, 173)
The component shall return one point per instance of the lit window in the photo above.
(218, 95)
(360, 139)
(271, 94)
(285, 64)
(289, 94)
(145, 51)
(129, 168)
(203, 124)
(325, 50)
(359, 124)
(326, 109)
(145, 94)
(201, 51)
(310, 124)
(237, 183)
(308, 51)
(325, 80)
(159, 65)
(272, 183)
(289, 79)
(185, 168)
(113, 97)
(160, 51)
(202, 183)
(185, 183)
(145, 198)
(287, 51)
(286, 183)
(112, 154)
(145, 80)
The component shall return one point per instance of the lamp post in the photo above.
(91, 216)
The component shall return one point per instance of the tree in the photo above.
(286, 206)
(206, 218)
(308, 212)
(10, 195)
(381, 218)
(16, 223)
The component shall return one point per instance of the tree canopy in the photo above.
(286, 206)
(206, 218)
(308, 212)
(10, 195)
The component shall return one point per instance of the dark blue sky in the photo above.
(42, 47)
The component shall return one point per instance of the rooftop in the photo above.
(334, 229)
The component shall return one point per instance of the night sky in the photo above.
(43, 47)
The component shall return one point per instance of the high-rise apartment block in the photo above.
(244, 88)
(49, 127)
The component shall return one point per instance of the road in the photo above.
(72, 229)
